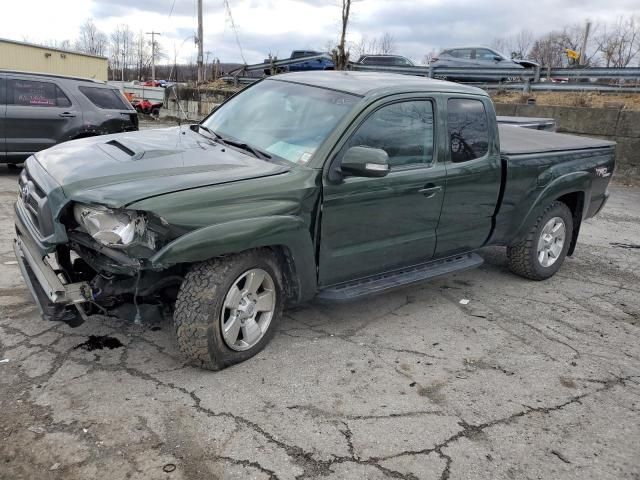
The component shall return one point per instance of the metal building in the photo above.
(37, 58)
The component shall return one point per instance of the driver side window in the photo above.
(404, 130)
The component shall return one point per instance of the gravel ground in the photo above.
(535, 380)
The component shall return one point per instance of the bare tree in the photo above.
(340, 53)
(120, 50)
(141, 54)
(501, 44)
(61, 44)
(523, 42)
(619, 43)
(517, 46)
(362, 47)
(91, 40)
(387, 44)
(549, 51)
(383, 45)
(572, 37)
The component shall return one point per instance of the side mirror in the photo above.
(365, 162)
(497, 58)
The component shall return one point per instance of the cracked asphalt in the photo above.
(535, 380)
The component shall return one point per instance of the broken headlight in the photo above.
(114, 228)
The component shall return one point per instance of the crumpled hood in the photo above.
(119, 169)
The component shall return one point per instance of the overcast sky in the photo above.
(278, 26)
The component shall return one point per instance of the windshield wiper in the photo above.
(234, 143)
(246, 147)
(198, 126)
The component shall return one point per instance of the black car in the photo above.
(38, 111)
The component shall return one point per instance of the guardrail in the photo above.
(559, 87)
(280, 63)
(508, 78)
(543, 86)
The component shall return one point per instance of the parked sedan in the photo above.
(476, 57)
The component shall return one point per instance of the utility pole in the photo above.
(206, 64)
(584, 44)
(153, 53)
(200, 44)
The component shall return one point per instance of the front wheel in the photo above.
(227, 308)
(541, 254)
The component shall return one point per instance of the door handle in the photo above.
(430, 190)
(67, 115)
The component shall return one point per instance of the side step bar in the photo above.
(400, 278)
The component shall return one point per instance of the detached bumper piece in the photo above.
(53, 297)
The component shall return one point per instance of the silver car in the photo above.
(476, 57)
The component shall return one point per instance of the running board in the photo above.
(400, 278)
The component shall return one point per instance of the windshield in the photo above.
(284, 119)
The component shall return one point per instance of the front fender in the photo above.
(239, 235)
(569, 183)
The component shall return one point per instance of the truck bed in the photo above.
(535, 123)
(515, 140)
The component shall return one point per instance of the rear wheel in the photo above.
(541, 254)
(227, 308)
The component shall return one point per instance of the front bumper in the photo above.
(44, 283)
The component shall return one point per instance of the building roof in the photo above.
(45, 47)
(52, 75)
(369, 83)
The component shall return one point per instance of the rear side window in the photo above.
(31, 93)
(404, 130)
(484, 54)
(104, 98)
(403, 62)
(464, 53)
(468, 129)
(299, 54)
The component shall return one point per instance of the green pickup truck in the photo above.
(333, 185)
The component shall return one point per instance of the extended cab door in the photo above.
(473, 175)
(39, 114)
(373, 225)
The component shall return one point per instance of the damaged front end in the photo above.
(103, 267)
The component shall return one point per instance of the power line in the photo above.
(235, 30)
(172, 5)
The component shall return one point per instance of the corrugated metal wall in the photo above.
(31, 58)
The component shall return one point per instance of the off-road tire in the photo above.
(523, 256)
(199, 303)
